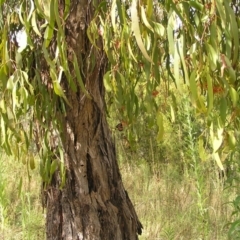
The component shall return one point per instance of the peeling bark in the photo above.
(93, 204)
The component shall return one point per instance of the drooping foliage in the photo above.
(153, 48)
(157, 47)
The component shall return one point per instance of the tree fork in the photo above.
(93, 203)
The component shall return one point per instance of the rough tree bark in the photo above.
(93, 204)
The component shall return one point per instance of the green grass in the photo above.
(171, 204)
(168, 204)
(21, 214)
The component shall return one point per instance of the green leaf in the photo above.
(213, 36)
(92, 33)
(54, 166)
(10, 82)
(48, 35)
(31, 161)
(159, 29)
(170, 27)
(231, 140)
(66, 9)
(49, 11)
(210, 93)
(213, 56)
(79, 78)
(196, 4)
(107, 81)
(221, 12)
(176, 69)
(15, 102)
(130, 51)
(113, 15)
(229, 72)
(3, 106)
(59, 91)
(3, 132)
(40, 9)
(234, 96)
(58, 20)
(30, 10)
(217, 139)
(181, 52)
(144, 18)
(18, 58)
(218, 160)
(49, 61)
(234, 32)
(149, 8)
(172, 114)
(136, 30)
(3, 77)
(193, 86)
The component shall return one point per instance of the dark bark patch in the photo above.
(90, 178)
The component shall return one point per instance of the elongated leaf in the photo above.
(136, 30)
(218, 160)
(159, 29)
(47, 57)
(144, 18)
(193, 86)
(31, 10)
(34, 24)
(113, 14)
(48, 35)
(234, 96)
(217, 138)
(210, 93)
(66, 9)
(92, 33)
(130, 51)
(3, 132)
(78, 75)
(181, 52)
(107, 81)
(213, 56)
(121, 12)
(57, 18)
(170, 27)
(31, 161)
(176, 69)
(59, 91)
(149, 8)
(172, 114)
(196, 4)
(231, 140)
(54, 166)
(234, 32)
(221, 12)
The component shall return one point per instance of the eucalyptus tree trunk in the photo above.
(93, 203)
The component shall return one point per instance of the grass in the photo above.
(168, 204)
(171, 204)
(21, 214)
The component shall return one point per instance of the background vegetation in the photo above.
(177, 193)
